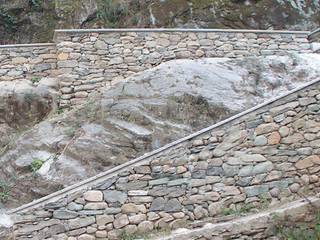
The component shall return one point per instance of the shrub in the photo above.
(111, 13)
(35, 165)
(4, 191)
(35, 79)
(299, 231)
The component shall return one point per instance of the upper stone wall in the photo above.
(264, 156)
(86, 60)
(27, 61)
(91, 59)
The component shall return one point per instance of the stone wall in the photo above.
(27, 61)
(265, 156)
(265, 225)
(91, 59)
(86, 60)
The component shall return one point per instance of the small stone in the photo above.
(205, 155)
(91, 229)
(314, 179)
(294, 188)
(284, 131)
(95, 206)
(199, 212)
(130, 229)
(80, 222)
(230, 191)
(86, 237)
(256, 190)
(197, 142)
(305, 179)
(145, 227)
(64, 214)
(307, 162)
(75, 206)
(229, 170)
(266, 128)
(157, 204)
(121, 221)
(260, 140)
(274, 138)
(173, 205)
(93, 196)
(262, 168)
(103, 220)
(133, 208)
(113, 196)
(62, 56)
(215, 208)
(101, 234)
(136, 219)
(274, 192)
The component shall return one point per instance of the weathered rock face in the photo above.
(150, 109)
(35, 20)
(22, 105)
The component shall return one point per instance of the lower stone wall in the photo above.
(27, 62)
(266, 225)
(265, 157)
(91, 59)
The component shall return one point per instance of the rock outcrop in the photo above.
(34, 20)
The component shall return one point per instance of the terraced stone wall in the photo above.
(262, 157)
(91, 59)
(27, 61)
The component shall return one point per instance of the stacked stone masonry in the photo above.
(27, 62)
(269, 155)
(94, 59)
(86, 60)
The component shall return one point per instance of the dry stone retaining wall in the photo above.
(263, 225)
(86, 60)
(267, 155)
(27, 61)
(91, 59)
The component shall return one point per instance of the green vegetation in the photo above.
(238, 211)
(146, 236)
(7, 20)
(34, 3)
(30, 97)
(296, 231)
(111, 12)
(35, 79)
(4, 191)
(35, 165)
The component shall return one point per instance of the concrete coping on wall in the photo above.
(79, 31)
(315, 35)
(86, 184)
(27, 45)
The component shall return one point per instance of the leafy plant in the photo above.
(111, 12)
(59, 110)
(30, 97)
(34, 3)
(4, 191)
(35, 79)
(296, 231)
(35, 165)
(6, 20)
